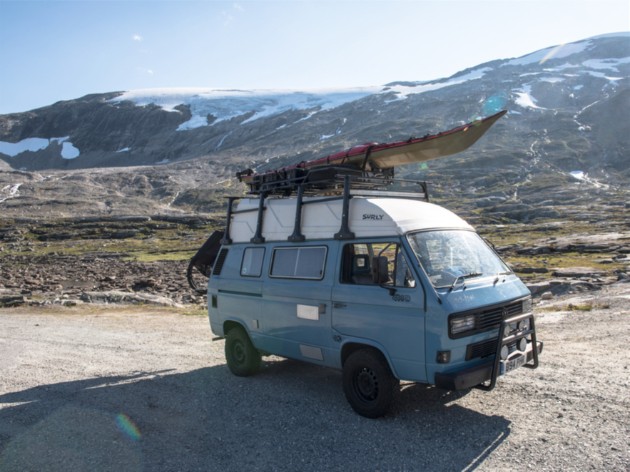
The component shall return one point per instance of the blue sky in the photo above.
(62, 49)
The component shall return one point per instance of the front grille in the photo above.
(485, 349)
(487, 318)
(482, 349)
(491, 318)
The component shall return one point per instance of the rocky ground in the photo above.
(144, 259)
(71, 280)
(128, 260)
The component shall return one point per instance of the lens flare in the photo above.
(493, 104)
(550, 54)
(127, 426)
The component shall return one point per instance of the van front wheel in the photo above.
(242, 357)
(368, 383)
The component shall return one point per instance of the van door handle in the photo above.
(339, 305)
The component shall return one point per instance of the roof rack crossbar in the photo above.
(330, 180)
(344, 232)
(297, 236)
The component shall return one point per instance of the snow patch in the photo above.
(524, 98)
(227, 104)
(218, 146)
(403, 91)
(610, 64)
(28, 144)
(601, 75)
(194, 122)
(578, 174)
(9, 191)
(68, 150)
(552, 80)
(583, 177)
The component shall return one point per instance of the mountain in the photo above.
(565, 136)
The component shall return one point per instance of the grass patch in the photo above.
(146, 242)
(569, 307)
(565, 260)
(197, 311)
(159, 256)
(520, 234)
(579, 307)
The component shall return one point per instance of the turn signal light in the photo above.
(443, 357)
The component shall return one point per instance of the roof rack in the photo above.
(332, 180)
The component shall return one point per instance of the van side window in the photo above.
(376, 264)
(299, 262)
(252, 261)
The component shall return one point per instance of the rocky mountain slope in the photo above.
(105, 197)
(564, 139)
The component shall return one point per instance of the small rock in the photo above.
(12, 300)
(578, 272)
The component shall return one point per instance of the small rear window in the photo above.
(299, 262)
(252, 261)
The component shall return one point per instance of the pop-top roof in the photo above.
(321, 219)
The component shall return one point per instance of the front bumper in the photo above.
(480, 374)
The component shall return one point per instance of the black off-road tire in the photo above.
(243, 359)
(368, 383)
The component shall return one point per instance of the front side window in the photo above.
(449, 256)
(299, 262)
(376, 264)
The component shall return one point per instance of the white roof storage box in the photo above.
(322, 218)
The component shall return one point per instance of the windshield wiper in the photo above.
(463, 278)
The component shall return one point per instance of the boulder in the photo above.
(578, 272)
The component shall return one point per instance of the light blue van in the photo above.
(382, 286)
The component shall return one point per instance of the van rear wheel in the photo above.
(242, 357)
(368, 383)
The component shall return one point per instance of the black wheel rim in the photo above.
(238, 352)
(366, 385)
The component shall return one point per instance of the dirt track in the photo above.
(144, 389)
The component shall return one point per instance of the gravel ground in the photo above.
(128, 389)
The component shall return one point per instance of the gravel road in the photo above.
(129, 389)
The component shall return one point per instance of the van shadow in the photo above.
(292, 416)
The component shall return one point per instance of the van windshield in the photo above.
(451, 256)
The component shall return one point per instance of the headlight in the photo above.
(504, 352)
(524, 325)
(465, 323)
(527, 305)
(509, 329)
(522, 344)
